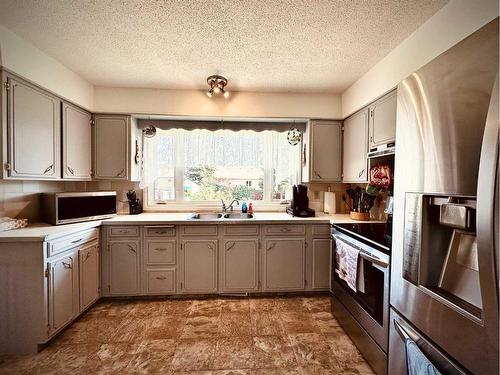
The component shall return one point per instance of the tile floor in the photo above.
(216, 336)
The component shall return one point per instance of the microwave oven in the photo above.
(74, 207)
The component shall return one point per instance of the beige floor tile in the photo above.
(208, 307)
(115, 357)
(325, 322)
(235, 324)
(193, 354)
(263, 305)
(164, 327)
(274, 352)
(312, 349)
(200, 327)
(266, 324)
(91, 330)
(234, 353)
(153, 357)
(296, 322)
(317, 304)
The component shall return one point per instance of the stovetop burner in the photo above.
(379, 233)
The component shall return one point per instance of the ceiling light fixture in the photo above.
(217, 86)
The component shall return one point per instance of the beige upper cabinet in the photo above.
(89, 274)
(199, 266)
(322, 152)
(77, 143)
(382, 128)
(124, 267)
(32, 149)
(355, 162)
(283, 262)
(63, 291)
(239, 265)
(117, 143)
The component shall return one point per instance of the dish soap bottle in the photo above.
(244, 207)
(250, 209)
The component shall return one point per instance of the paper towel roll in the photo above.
(330, 203)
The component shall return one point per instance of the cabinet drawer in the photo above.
(68, 242)
(160, 281)
(241, 230)
(199, 230)
(125, 231)
(159, 231)
(284, 229)
(160, 252)
(321, 230)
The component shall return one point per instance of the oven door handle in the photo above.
(381, 262)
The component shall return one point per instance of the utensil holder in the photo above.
(362, 216)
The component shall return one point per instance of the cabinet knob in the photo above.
(131, 248)
(231, 246)
(317, 174)
(67, 265)
(361, 173)
(271, 246)
(119, 174)
(210, 246)
(70, 170)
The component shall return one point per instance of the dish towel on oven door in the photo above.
(349, 266)
(416, 362)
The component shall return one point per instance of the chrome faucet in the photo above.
(230, 207)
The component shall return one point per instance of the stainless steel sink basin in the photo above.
(237, 215)
(205, 216)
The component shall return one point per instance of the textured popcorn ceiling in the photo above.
(280, 46)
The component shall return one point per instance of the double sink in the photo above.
(218, 215)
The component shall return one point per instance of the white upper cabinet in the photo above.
(77, 143)
(383, 120)
(355, 162)
(32, 142)
(116, 148)
(322, 152)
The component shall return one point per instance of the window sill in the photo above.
(191, 207)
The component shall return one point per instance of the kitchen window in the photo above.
(199, 167)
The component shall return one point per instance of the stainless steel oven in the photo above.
(74, 207)
(364, 315)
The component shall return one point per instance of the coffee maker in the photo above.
(300, 202)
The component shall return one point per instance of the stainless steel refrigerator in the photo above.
(444, 276)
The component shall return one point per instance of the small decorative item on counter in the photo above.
(250, 208)
(362, 202)
(7, 223)
(244, 207)
(134, 204)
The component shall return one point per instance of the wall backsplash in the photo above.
(21, 199)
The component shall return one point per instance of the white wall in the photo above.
(23, 58)
(196, 103)
(451, 24)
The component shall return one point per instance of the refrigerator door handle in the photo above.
(486, 220)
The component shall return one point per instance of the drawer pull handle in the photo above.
(159, 226)
(161, 232)
(161, 278)
(120, 173)
(76, 241)
(131, 248)
(318, 175)
(161, 249)
(210, 246)
(285, 229)
(70, 170)
(48, 168)
(271, 246)
(361, 173)
(67, 265)
(87, 256)
(231, 246)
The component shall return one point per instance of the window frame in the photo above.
(181, 205)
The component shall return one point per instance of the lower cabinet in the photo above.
(199, 266)
(89, 274)
(239, 266)
(160, 281)
(283, 264)
(123, 267)
(63, 290)
(321, 263)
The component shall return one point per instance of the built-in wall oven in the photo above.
(364, 314)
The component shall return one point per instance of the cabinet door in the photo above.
(355, 148)
(321, 263)
(77, 143)
(326, 151)
(33, 132)
(63, 291)
(383, 120)
(240, 265)
(111, 147)
(199, 266)
(283, 264)
(89, 275)
(123, 267)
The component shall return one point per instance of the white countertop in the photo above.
(46, 232)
